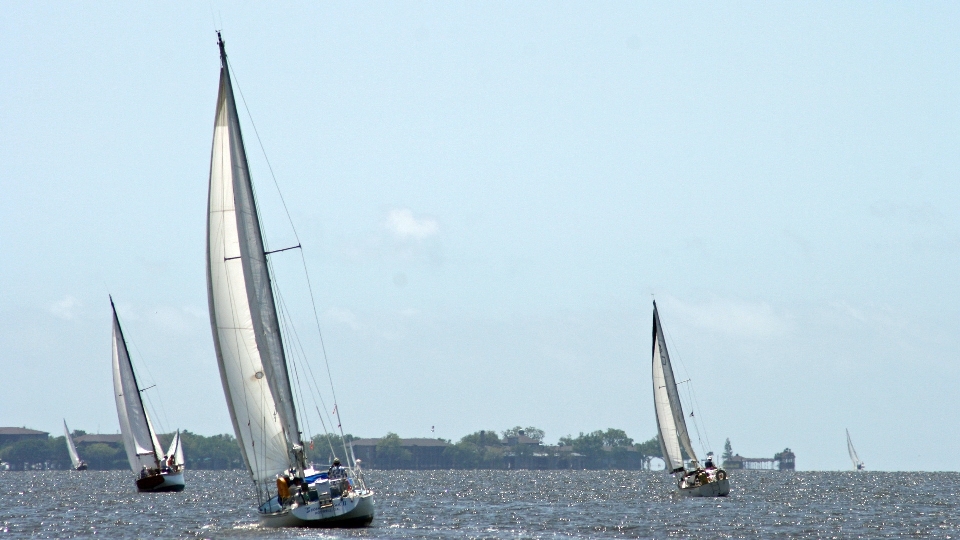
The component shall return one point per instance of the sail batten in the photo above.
(242, 308)
(671, 424)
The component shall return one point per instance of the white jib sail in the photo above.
(71, 448)
(670, 419)
(139, 438)
(176, 449)
(235, 296)
(853, 453)
(669, 443)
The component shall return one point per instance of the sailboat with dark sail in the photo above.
(854, 458)
(706, 480)
(250, 349)
(78, 464)
(156, 472)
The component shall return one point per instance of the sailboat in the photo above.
(698, 481)
(857, 464)
(175, 458)
(250, 352)
(139, 438)
(78, 464)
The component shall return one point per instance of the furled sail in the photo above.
(71, 448)
(139, 438)
(857, 464)
(246, 332)
(176, 449)
(670, 420)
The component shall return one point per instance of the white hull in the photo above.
(718, 488)
(161, 482)
(354, 510)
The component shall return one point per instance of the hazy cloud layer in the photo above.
(404, 225)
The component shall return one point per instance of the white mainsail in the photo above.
(857, 464)
(671, 423)
(243, 314)
(139, 438)
(176, 449)
(71, 448)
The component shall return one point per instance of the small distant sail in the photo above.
(71, 448)
(176, 450)
(857, 464)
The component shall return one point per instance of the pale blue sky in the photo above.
(488, 194)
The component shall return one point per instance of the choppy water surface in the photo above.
(500, 504)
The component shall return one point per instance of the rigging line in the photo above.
(296, 337)
(145, 366)
(315, 393)
(295, 341)
(323, 347)
(292, 351)
(691, 394)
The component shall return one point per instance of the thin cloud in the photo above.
(343, 316)
(404, 225)
(756, 320)
(64, 309)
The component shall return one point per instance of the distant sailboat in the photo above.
(700, 481)
(139, 438)
(176, 452)
(78, 464)
(250, 352)
(854, 458)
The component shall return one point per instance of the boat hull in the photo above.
(346, 512)
(80, 468)
(717, 488)
(161, 482)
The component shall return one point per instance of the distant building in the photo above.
(10, 435)
(785, 460)
(424, 453)
(92, 438)
(782, 461)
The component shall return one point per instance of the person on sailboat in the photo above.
(339, 483)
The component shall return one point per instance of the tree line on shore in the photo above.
(611, 448)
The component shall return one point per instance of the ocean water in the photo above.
(500, 504)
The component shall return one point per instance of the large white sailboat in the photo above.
(250, 350)
(700, 480)
(854, 458)
(78, 464)
(139, 438)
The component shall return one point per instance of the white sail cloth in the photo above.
(71, 447)
(139, 438)
(857, 464)
(242, 310)
(671, 423)
(176, 450)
